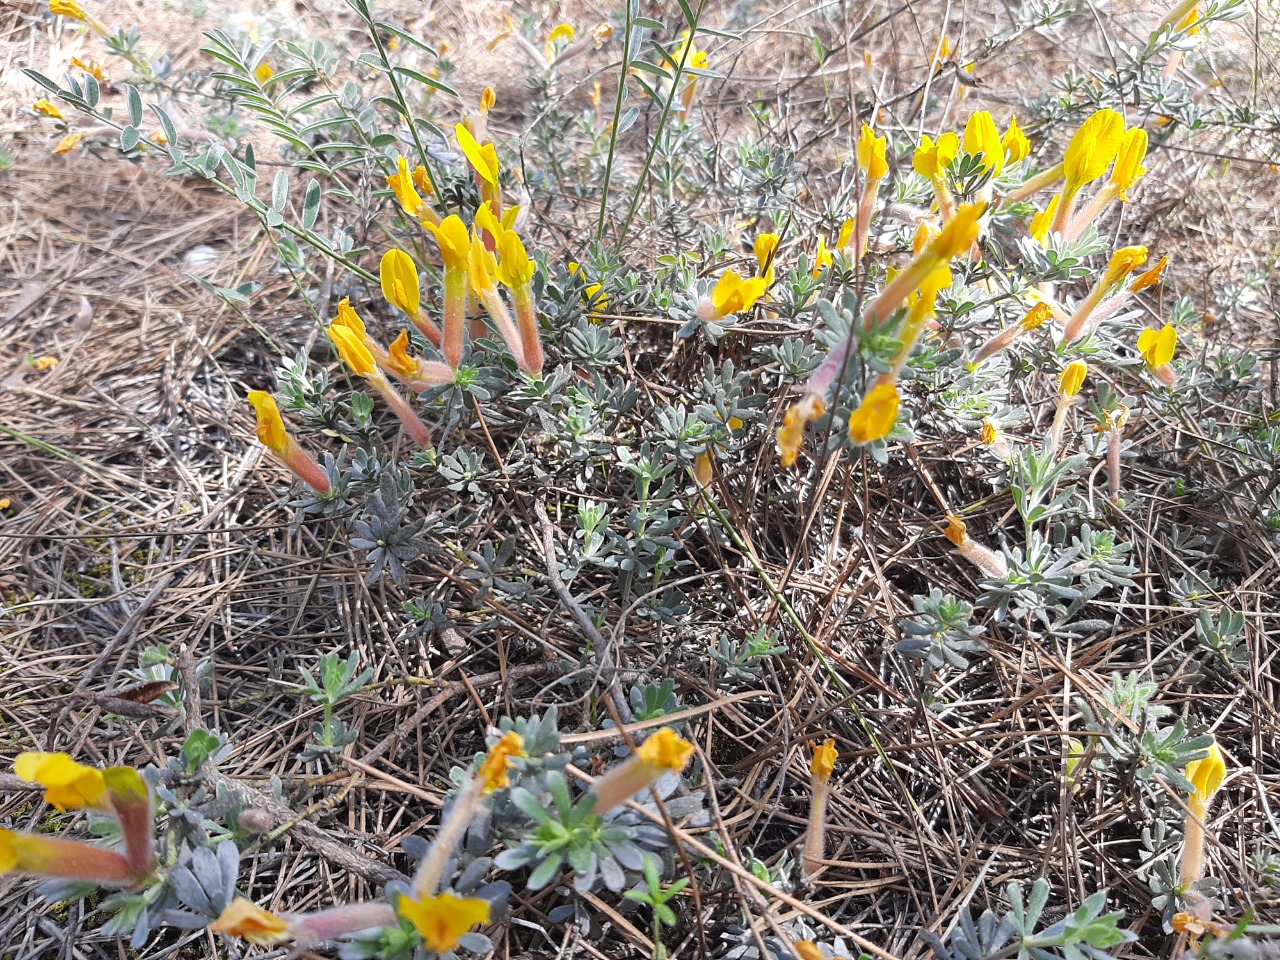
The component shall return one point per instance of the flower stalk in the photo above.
(984, 558)
(1206, 776)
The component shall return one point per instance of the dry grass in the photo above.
(142, 513)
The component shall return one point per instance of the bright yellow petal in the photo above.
(270, 427)
(1128, 167)
(352, 351)
(666, 749)
(397, 267)
(824, 760)
(871, 154)
(68, 785)
(442, 920)
(483, 162)
(1016, 145)
(1207, 774)
(454, 240)
(1072, 378)
(494, 772)
(981, 137)
(1093, 147)
(347, 317)
(876, 415)
(244, 918)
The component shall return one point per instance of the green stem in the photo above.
(617, 112)
(404, 106)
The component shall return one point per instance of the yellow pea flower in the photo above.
(822, 259)
(399, 276)
(808, 950)
(1016, 145)
(846, 234)
(93, 68)
(1151, 277)
(353, 351)
(29, 853)
(68, 143)
(244, 918)
(442, 920)
(272, 433)
(1036, 316)
(402, 184)
(68, 785)
(1043, 221)
(824, 760)
(347, 317)
(1092, 149)
(263, 73)
(959, 235)
(664, 752)
(67, 8)
(733, 294)
(494, 772)
(1157, 347)
(1206, 776)
(876, 415)
(515, 269)
(985, 559)
(46, 109)
(932, 158)
(487, 99)
(482, 265)
(766, 246)
(797, 417)
(1072, 378)
(454, 240)
(1128, 166)
(871, 154)
(483, 158)
(982, 137)
(1123, 262)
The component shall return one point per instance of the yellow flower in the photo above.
(454, 240)
(1128, 167)
(1036, 316)
(766, 246)
(67, 785)
(91, 67)
(399, 276)
(483, 159)
(442, 920)
(808, 950)
(244, 918)
(791, 433)
(564, 31)
(352, 351)
(957, 530)
(1123, 262)
(67, 8)
(733, 294)
(487, 99)
(398, 360)
(1072, 378)
(822, 259)
(846, 233)
(990, 433)
(46, 109)
(68, 143)
(494, 770)
(422, 182)
(402, 184)
(481, 266)
(1016, 145)
(597, 299)
(515, 269)
(666, 750)
(347, 317)
(1206, 776)
(981, 136)
(263, 73)
(871, 154)
(1092, 148)
(270, 427)
(958, 236)
(876, 415)
(932, 159)
(1042, 221)
(824, 760)
(1151, 277)
(1157, 347)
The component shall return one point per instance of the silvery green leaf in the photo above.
(134, 100)
(129, 138)
(280, 191)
